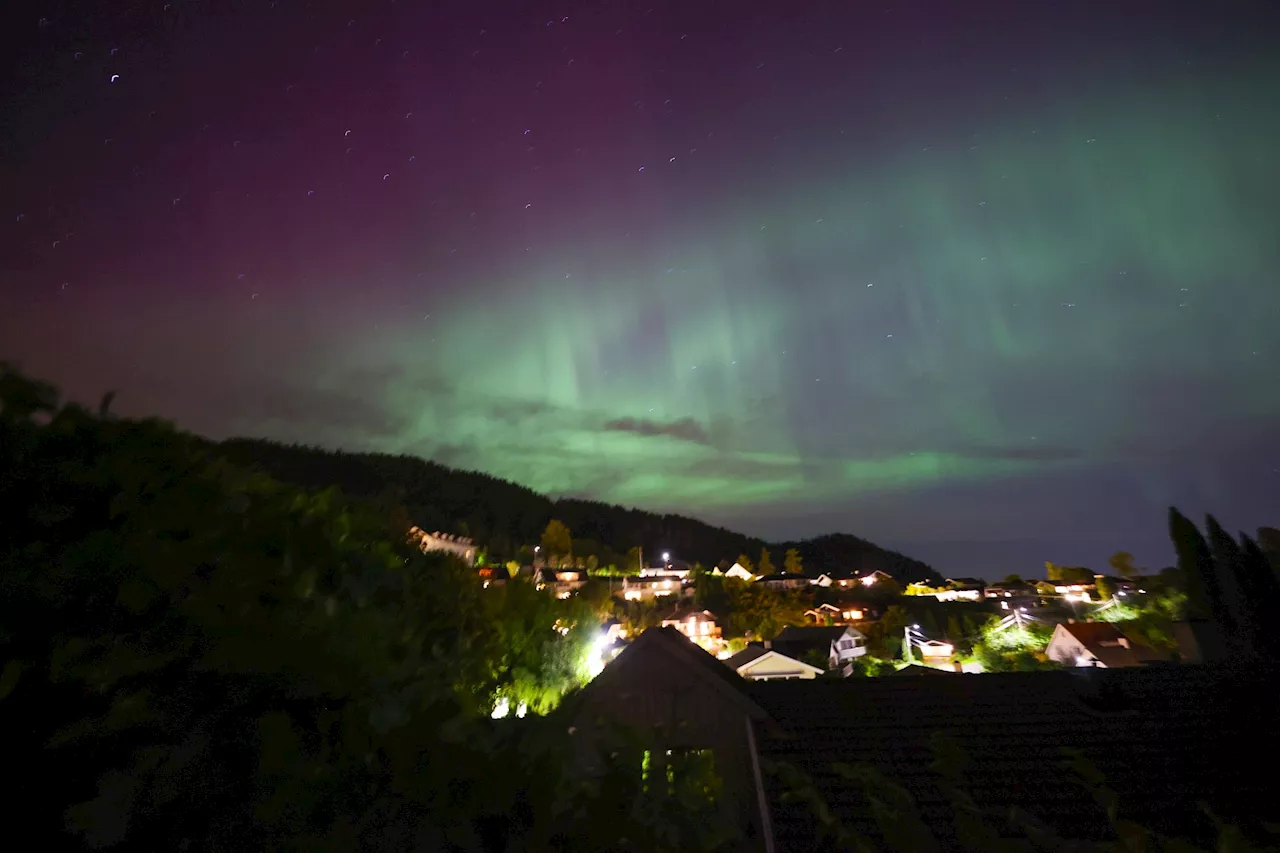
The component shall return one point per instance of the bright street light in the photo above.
(666, 558)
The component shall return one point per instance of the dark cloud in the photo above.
(685, 429)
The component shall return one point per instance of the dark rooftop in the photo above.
(1165, 737)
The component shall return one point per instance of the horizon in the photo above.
(987, 285)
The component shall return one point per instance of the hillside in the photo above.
(504, 517)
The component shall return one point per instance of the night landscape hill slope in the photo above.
(504, 517)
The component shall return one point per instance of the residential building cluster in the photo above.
(843, 613)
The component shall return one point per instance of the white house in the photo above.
(664, 572)
(824, 613)
(735, 571)
(839, 644)
(874, 578)
(935, 649)
(647, 589)
(461, 547)
(698, 625)
(563, 583)
(1099, 644)
(959, 595)
(823, 580)
(756, 663)
(784, 580)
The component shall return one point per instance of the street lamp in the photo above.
(666, 557)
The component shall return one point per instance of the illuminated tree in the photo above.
(792, 564)
(745, 562)
(1106, 591)
(766, 564)
(556, 540)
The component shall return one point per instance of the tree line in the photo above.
(506, 519)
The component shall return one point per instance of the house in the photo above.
(459, 546)
(1008, 590)
(784, 580)
(824, 614)
(1166, 738)
(841, 613)
(664, 572)
(934, 651)
(647, 589)
(735, 571)
(1072, 591)
(698, 625)
(1097, 644)
(962, 589)
(608, 645)
(839, 644)
(685, 702)
(494, 575)
(873, 578)
(562, 582)
(612, 631)
(823, 580)
(756, 663)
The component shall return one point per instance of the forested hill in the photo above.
(504, 517)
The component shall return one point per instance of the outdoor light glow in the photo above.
(501, 709)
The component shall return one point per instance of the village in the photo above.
(798, 708)
(838, 624)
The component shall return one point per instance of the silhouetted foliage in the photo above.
(199, 658)
(1231, 585)
(1071, 574)
(1121, 563)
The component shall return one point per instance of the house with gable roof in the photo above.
(1097, 644)
(756, 663)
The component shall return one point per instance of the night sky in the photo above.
(990, 283)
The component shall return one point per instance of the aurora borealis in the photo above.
(989, 283)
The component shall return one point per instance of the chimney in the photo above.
(768, 644)
(1124, 642)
